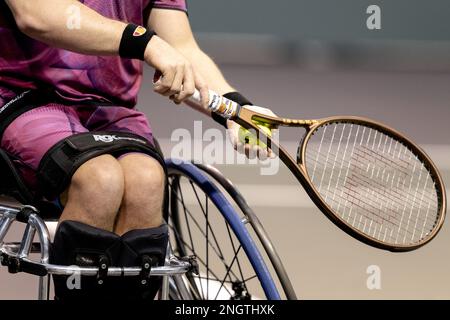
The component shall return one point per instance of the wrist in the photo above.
(238, 98)
(150, 48)
(134, 42)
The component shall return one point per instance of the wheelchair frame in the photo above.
(15, 255)
(42, 215)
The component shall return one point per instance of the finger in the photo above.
(234, 135)
(177, 84)
(173, 98)
(262, 153)
(188, 85)
(164, 83)
(157, 76)
(250, 152)
(202, 87)
(239, 147)
(204, 94)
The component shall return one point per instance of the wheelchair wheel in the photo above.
(256, 226)
(204, 223)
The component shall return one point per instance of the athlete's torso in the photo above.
(27, 63)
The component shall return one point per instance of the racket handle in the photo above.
(218, 104)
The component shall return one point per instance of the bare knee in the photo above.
(144, 177)
(143, 195)
(100, 177)
(96, 189)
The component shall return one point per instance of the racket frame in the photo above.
(246, 118)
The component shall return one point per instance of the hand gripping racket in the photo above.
(368, 179)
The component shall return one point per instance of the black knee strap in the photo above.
(63, 159)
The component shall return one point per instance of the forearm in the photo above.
(203, 64)
(173, 26)
(55, 22)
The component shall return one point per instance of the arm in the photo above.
(173, 26)
(47, 21)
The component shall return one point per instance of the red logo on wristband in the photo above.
(139, 31)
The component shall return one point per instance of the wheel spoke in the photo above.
(229, 270)
(207, 221)
(192, 242)
(237, 257)
(185, 217)
(223, 281)
(215, 277)
(218, 253)
(251, 278)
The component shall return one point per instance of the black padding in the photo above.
(48, 211)
(24, 214)
(139, 247)
(63, 159)
(79, 244)
(11, 183)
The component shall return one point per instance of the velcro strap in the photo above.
(63, 159)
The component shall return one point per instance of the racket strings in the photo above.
(378, 187)
(373, 208)
(373, 182)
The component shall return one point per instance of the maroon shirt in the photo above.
(26, 63)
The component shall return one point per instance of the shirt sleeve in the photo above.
(169, 4)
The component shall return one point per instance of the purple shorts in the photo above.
(33, 133)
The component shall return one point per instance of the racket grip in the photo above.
(218, 104)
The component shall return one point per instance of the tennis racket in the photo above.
(368, 179)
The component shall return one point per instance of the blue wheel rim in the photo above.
(233, 219)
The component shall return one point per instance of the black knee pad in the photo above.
(61, 161)
(79, 244)
(138, 248)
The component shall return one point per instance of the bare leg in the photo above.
(143, 195)
(95, 193)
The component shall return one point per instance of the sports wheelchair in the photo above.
(218, 248)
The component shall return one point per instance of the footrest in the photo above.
(146, 267)
(16, 265)
(33, 268)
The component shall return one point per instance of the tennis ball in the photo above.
(249, 137)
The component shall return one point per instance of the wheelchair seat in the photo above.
(12, 185)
